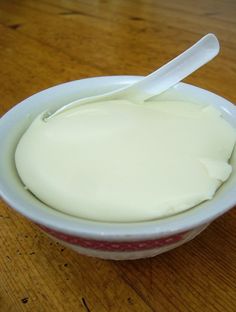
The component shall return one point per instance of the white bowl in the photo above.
(100, 239)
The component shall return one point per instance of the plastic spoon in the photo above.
(160, 80)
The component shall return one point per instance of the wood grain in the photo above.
(47, 42)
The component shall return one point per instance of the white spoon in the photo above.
(160, 80)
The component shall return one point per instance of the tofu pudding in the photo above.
(122, 161)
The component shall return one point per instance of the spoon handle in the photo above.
(160, 80)
(176, 70)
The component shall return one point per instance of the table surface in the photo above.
(47, 42)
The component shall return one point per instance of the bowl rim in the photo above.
(116, 231)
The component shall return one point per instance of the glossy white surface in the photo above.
(123, 161)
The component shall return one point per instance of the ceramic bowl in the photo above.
(107, 240)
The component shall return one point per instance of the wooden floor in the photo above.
(47, 42)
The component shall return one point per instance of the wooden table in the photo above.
(47, 42)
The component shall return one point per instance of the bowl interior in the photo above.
(16, 121)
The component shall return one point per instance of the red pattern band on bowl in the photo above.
(115, 245)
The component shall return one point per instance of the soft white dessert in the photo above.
(122, 161)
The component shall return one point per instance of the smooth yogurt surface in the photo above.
(122, 161)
